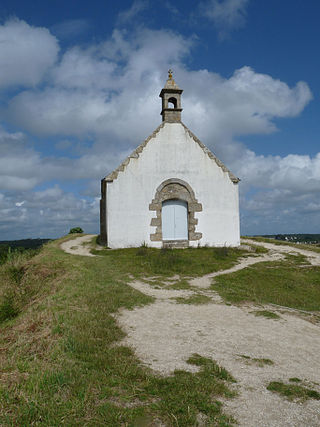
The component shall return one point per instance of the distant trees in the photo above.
(75, 230)
(297, 238)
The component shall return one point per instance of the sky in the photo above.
(79, 90)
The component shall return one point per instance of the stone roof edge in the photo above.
(233, 178)
(134, 155)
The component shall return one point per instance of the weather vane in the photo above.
(170, 74)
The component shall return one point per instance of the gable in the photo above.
(136, 154)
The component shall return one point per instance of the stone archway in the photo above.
(175, 188)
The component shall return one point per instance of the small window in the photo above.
(172, 103)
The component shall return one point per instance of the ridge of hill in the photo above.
(62, 355)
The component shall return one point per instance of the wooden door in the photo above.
(174, 220)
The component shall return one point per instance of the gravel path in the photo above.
(164, 335)
(77, 246)
(313, 257)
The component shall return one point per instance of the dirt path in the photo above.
(78, 246)
(313, 257)
(165, 334)
(205, 281)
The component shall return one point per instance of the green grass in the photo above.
(144, 261)
(61, 362)
(293, 391)
(284, 283)
(266, 313)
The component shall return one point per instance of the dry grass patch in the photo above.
(59, 356)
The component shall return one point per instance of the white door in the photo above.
(174, 220)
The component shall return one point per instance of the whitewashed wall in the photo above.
(172, 154)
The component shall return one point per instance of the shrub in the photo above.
(7, 308)
(75, 230)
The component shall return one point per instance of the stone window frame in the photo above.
(175, 188)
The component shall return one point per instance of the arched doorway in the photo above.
(183, 205)
(174, 220)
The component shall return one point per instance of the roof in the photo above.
(136, 153)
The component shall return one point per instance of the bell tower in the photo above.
(171, 101)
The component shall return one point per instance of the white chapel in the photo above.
(171, 191)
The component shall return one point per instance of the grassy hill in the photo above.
(9, 246)
(61, 358)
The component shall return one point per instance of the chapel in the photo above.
(172, 191)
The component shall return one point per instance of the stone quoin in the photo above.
(171, 191)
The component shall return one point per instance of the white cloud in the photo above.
(279, 194)
(299, 174)
(97, 90)
(22, 167)
(17, 162)
(226, 15)
(26, 53)
(108, 93)
(48, 213)
(127, 16)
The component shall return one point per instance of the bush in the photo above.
(7, 308)
(75, 230)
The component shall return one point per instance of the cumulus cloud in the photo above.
(246, 103)
(226, 15)
(279, 194)
(107, 94)
(17, 162)
(26, 53)
(22, 167)
(98, 89)
(47, 213)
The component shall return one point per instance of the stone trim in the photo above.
(233, 178)
(175, 188)
(178, 244)
(134, 155)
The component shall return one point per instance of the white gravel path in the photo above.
(77, 246)
(313, 257)
(164, 335)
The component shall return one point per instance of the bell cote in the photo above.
(171, 101)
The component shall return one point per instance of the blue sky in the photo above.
(79, 86)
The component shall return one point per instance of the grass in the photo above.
(283, 283)
(266, 313)
(61, 361)
(144, 261)
(61, 356)
(293, 391)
